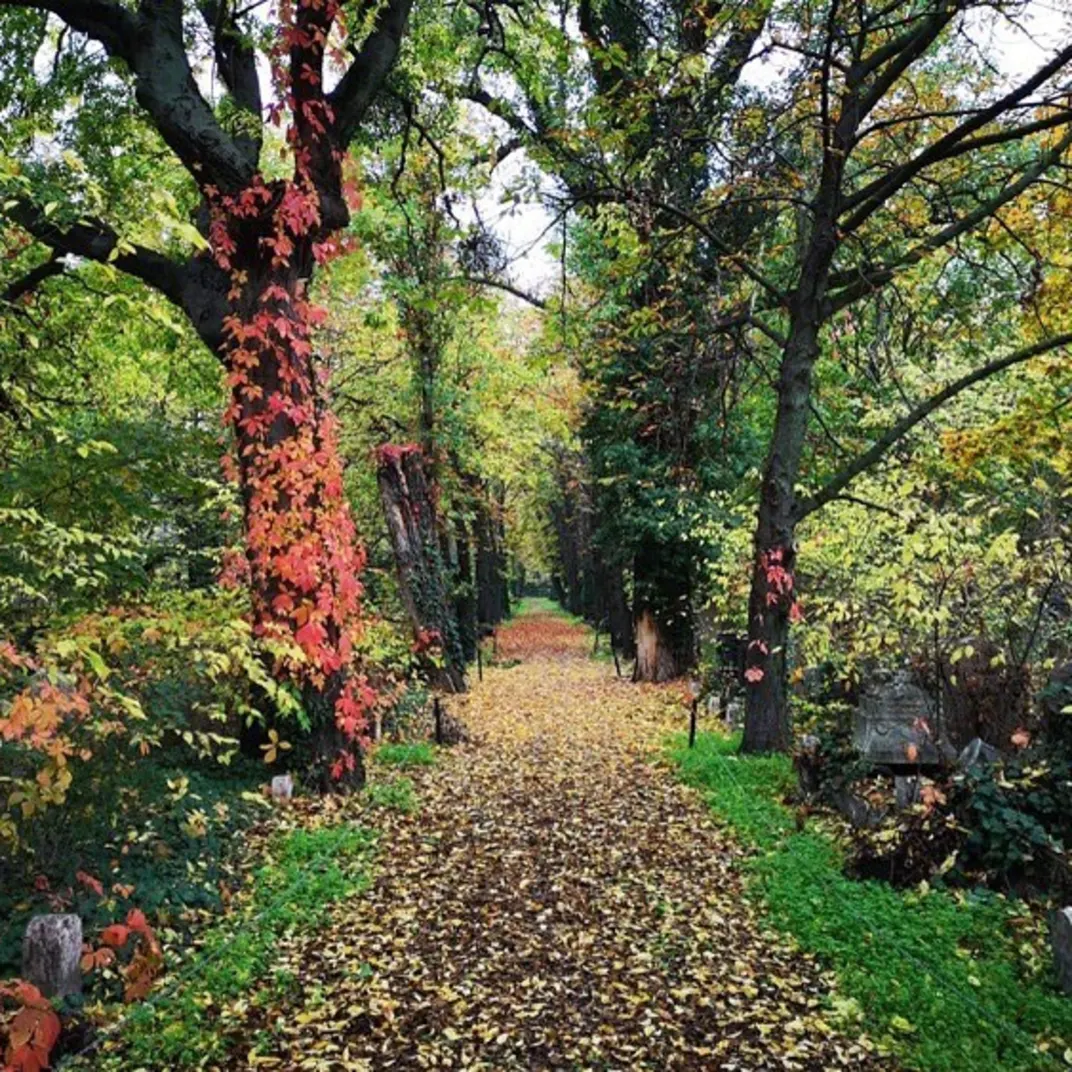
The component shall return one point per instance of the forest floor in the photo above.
(556, 900)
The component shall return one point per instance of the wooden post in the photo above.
(437, 710)
(479, 661)
(617, 665)
(595, 643)
(692, 722)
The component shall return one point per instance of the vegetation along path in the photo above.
(557, 901)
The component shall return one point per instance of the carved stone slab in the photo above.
(889, 723)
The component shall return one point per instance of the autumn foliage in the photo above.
(32, 1027)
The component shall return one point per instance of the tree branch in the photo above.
(509, 288)
(872, 196)
(33, 279)
(355, 92)
(151, 43)
(236, 61)
(833, 487)
(96, 241)
(870, 280)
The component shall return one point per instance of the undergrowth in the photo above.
(945, 980)
(191, 1022)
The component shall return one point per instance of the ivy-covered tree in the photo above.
(264, 219)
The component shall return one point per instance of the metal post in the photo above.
(479, 662)
(437, 710)
(692, 722)
(617, 665)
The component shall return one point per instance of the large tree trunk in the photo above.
(302, 554)
(662, 613)
(772, 599)
(410, 512)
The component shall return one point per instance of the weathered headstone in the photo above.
(734, 714)
(806, 762)
(895, 722)
(977, 753)
(906, 791)
(282, 787)
(51, 950)
(859, 813)
(1061, 942)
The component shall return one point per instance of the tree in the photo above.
(625, 119)
(884, 187)
(246, 293)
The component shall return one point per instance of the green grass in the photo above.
(933, 976)
(408, 754)
(186, 1025)
(395, 794)
(543, 605)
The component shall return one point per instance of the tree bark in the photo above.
(771, 599)
(464, 589)
(410, 511)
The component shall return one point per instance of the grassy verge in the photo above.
(189, 1023)
(405, 754)
(945, 980)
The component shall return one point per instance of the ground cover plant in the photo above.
(945, 978)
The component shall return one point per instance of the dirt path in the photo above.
(556, 902)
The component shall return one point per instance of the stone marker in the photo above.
(282, 787)
(889, 724)
(906, 790)
(51, 950)
(978, 753)
(806, 762)
(1061, 941)
(859, 813)
(734, 714)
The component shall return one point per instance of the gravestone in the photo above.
(906, 791)
(282, 787)
(51, 950)
(806, 762)
(977, 753)
(1061, 943)
(890, 724)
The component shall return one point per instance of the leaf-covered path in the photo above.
(556, 902)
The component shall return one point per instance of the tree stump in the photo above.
(51, 950)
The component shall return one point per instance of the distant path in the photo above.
(556, 903)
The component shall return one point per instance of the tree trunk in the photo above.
(773, 598)
(465, 589)
(490, 563)
(302, 555)
(662, 613)
(502, 558)
(654, 656)
(410, 511)
(616, 611)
